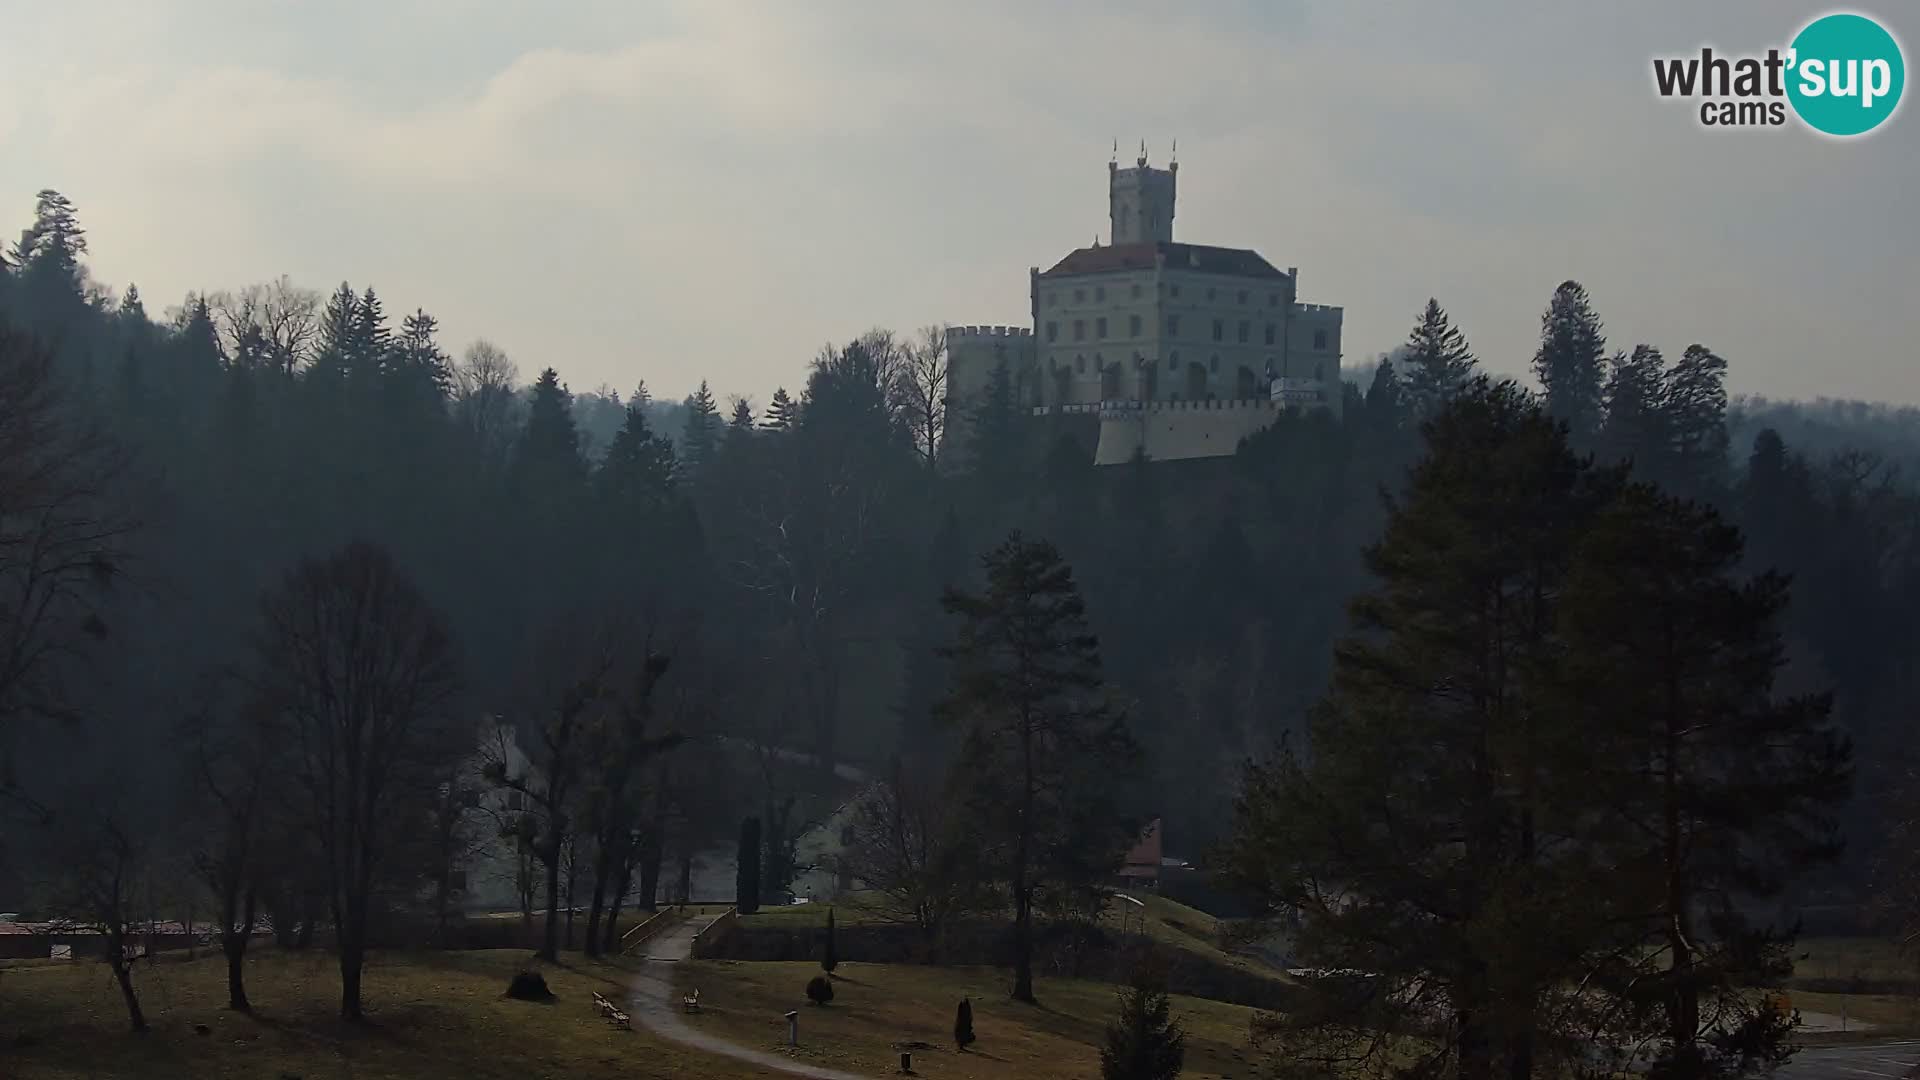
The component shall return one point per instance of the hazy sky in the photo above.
(626, 190)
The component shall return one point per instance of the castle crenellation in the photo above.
(1181, 349)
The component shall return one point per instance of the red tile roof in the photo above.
(1234, 262)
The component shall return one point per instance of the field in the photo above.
(877, 1010)
(432, 1016)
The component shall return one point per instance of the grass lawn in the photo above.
(878, 1008)
(1870, 959)
(1889, 1014)
(432, 1016)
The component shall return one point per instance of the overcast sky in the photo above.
(674, 191)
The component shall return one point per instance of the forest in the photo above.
(214, 483)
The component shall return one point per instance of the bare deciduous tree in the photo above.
(272, 323)
(234, 765)
(920, 387)
(360, 676)
(906, 846)
(63, 531)
(486, 402)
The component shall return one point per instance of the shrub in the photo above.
(1143, 1043)
(529, 986)
(819, 990)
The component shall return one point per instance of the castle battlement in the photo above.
(965, 332)
(1332, 308)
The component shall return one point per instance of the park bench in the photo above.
(611, 1011)
(691, 1002)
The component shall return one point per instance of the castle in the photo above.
(1180, 350)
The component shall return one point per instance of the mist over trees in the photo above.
(217, 494)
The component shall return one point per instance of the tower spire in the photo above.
(1143, 153)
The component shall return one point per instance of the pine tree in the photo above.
(702, 434)
(1569, 362)
(746, 880)
(53, 244)
(640, 398)
(1719, 792)
(1635, 426)
(963, 1026)
(1042, 739)
(1143, 1041)
(1437, 361)
(997, 439)
(781, 412)
(830, 951)
(1432, 757)
(1694, 411)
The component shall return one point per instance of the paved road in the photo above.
(656, 1004)
(1863, 1061)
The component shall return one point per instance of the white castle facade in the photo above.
(1182, 350)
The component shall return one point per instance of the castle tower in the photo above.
(1140, 201)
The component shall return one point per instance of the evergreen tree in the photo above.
(638, 469)
(1570, 360)
(1635, 426)
(1694, 412)
(830, 951)
(997, 439)
(746, 887)
(549, 454)
(1386, 398)
(370, 342)
(781, 412)
(1042, 738)
(335, 346)
(640, 398)
(702, 436)
(963, 1026)
(1143, 1041)
(1437, 361)
(1670, 659)
(740, 425)
(422, 362)
(53, 244)
(132, 309)
(1432, 771)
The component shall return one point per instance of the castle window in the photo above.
(1213, 363)
(1243, 331)
(1243, 296)
(1133, 326)
(1053, 331)
(1080, 364)
(1319, 339)
(1079, 329)
(1319, 371)
(1176, 291)
(1079, 296)
(1100, 329)
(1099, 292)
(1173, 360)
(1136, 290)
(1219, 330)
(1173, 326)
(1269, 333)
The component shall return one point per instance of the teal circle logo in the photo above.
(1845, 74)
